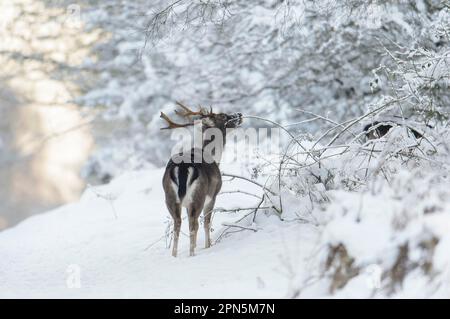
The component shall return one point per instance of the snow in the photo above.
(330, 242)
(115, 236)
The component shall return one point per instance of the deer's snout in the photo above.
(235, 119)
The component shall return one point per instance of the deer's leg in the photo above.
(175, 211)
(207, 214)
(193, 214)
(176, 235)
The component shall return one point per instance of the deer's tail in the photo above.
(183, 175)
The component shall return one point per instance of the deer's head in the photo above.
(209, 119)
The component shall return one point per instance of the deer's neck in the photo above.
(214, 143)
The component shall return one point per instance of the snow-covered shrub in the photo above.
(269, 58)
(381, 206)
(400, 229)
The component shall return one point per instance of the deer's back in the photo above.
(187, 179)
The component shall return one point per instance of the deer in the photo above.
(192, 183)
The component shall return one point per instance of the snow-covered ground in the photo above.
(387, 239)
(114, 239)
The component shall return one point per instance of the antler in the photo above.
(171, 123)
(188, 112)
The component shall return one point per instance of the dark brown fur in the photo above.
(195, 185)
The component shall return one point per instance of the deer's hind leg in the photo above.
(175, 212)
(194, 212)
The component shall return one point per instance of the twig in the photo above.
(221, 209)
(251, 181)
(240, 226)
(285, 130)
(239, 192)
(357, 120)
(257, 208)
(110, 198)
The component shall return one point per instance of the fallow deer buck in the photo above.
(192, 179)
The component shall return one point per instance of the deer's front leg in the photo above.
(208, 230)
(207, 214)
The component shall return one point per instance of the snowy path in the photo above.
(108, 245)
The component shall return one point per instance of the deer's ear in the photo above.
(208, 122)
